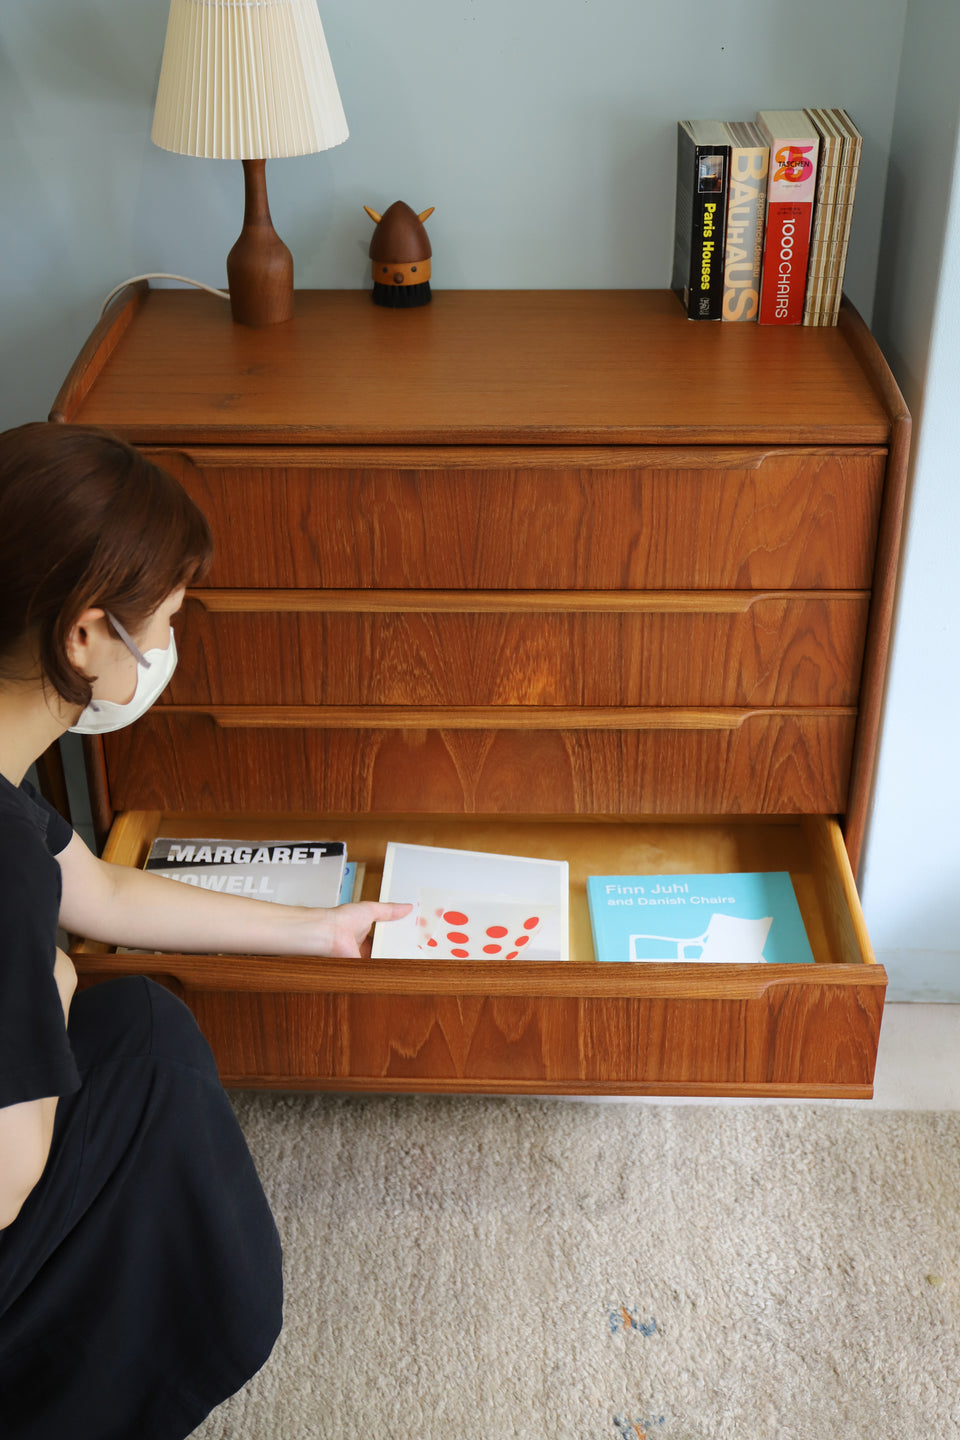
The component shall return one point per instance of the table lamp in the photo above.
(249, 80)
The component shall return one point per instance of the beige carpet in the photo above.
(505, 1269)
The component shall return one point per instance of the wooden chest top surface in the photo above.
(479, 367)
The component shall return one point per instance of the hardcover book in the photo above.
(794, 149)
(824, 232)
(703, 159)
(288, 872)
(738, 919)
(473, 905)
(746, 217)
(846, 198)
(352, 886)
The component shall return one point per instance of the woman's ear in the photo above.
(83, 638)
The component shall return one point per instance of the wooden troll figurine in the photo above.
(400, 252)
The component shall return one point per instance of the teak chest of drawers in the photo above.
(547, 573)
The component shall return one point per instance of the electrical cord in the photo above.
(159, 275)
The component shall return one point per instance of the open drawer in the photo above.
(575, 1028)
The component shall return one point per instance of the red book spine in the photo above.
(790, 195)
(785, 254)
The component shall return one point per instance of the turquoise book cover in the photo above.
(739, 919)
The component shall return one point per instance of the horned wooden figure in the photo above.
(400, 252)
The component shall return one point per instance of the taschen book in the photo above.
(730, 919)
(794, 143)
(703, 159)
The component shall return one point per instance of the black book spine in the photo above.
(702, 188)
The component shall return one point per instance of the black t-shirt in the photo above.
(35, 1054)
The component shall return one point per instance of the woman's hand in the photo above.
(66, 980)
(345, 931)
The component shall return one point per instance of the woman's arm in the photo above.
(123, 906)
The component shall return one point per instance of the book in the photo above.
(791, 186)
(746, 217)
(826, 213)
(287, 872)
(730, 919)
(703, 159)
(352, 886)
(852, 153)
(473, 905)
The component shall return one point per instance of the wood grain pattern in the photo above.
(793, 1039)
(803, 521)
(780, 650)
(863, 345)
(478, 367)
(792, 764)
(103, 340)
(558, 554)
(499, 718)
(576, 1028)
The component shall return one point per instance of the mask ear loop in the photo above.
(137, 654)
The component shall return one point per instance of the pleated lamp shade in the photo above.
(249, 80)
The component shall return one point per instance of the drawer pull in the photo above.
(481, 602)
(485, 456)
(485, 717)
(578, 981)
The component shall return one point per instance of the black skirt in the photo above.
(140, 1285)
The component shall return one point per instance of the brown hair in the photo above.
(85, 519)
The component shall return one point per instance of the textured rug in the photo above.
(508, 1269)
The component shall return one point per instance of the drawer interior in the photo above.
(811, 848)
(458, 1026)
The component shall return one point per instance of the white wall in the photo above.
(543, 131)
(911, 877)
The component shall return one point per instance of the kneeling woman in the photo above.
(140, 1268)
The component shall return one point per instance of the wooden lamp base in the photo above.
(259, 267)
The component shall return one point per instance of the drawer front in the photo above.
(791, 1041)
(694, 519)
(399, 1024)
(773, 762)
(686, 649)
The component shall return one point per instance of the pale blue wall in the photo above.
(911, 878)
(543, 132)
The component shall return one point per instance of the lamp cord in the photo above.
(160, 275)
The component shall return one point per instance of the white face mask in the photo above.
(154, 670)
